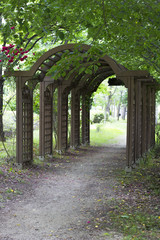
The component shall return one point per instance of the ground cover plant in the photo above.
(14, 182)
(136, 211)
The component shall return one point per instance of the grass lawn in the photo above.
(102, 134)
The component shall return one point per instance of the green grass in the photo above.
(8, 148)
(102, 134)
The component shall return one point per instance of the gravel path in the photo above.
(69, 203)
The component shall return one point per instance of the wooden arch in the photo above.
(140, 115)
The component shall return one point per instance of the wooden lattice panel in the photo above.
(64, 123)
(77, 121)
(139, 119)
(48, 121)
(148, 117)
(144, 119)
(85, 120)
(27, 127)
(153, 116)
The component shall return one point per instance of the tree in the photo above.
(24, 23)
(110, 98)
(128, 30)
(121, 28)
(121, 95)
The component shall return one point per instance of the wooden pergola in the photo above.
(140, 114)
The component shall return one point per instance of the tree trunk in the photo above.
(119, 106)
(106, 110)
(118, 111)
(124, 112)
(107, 107)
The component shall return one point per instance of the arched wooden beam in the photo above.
(87, 84)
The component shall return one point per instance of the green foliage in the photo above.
(1, 172)
(127, 31)
(137, 225)
(76, 62)
(8, 148)
(157, 133)
(158, 97)
(104, 90)
(109, 97)
(36, 99)
(55, 118)
(98, 118)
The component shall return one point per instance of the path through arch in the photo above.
(71, 200)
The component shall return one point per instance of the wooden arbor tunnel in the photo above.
(141, 104)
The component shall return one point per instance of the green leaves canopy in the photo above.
(126, 30)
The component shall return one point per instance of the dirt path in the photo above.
(71, 202)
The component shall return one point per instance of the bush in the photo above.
(98, 118)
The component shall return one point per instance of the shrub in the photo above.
(98, 118)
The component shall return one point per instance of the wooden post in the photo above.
(2, 137)
(46, 112)
(31, 127)
(19, 122)
(59, 143)
(85, 120)
(27, 112)
(42, 122)
(153, 116)
(148, 117)
(88, 124)
(75, 119)
(24, 113)
(144, 118)
(62, 120)
(138, 136)
(130, 148)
